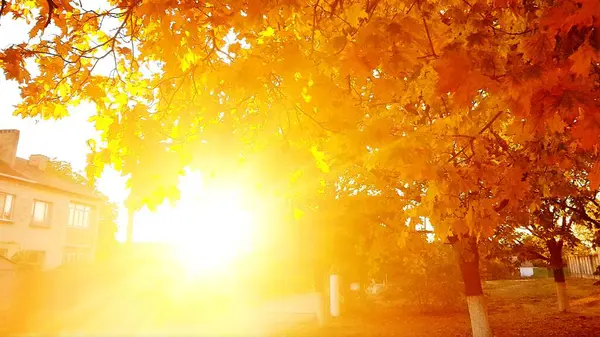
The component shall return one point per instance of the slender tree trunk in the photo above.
(557, 264)
(468, 260)
(130, 216)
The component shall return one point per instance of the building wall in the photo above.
(17, 234)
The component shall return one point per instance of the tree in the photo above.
(557, 196)
(107, 240)
(428, 90)
(550, 231)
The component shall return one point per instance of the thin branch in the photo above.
(512, 33)
(314, 25)
(411, 7)
(51, 6)
(332, 14)
(313, 119)
(445, 105)
(2, 6)
(429, 37)
(485, 127)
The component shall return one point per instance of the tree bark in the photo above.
(557, 264)
(468, 260)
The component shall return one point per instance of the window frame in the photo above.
(73, 254)
(47, 214)
(12, 206)
(83, 216)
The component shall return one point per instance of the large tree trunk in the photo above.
(557, 264)
(468, 261)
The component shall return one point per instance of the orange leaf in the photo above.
(556, 124)
(582, 60)
(594, 176)
(538, 47)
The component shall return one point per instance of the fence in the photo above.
(583, 266)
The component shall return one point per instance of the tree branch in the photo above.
(51, 6)
(2, 6)
(429, 37)
(485, 127)
(314, 25)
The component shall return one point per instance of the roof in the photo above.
(22, 170)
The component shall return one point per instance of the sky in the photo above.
(66, 140)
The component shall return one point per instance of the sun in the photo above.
(211, 227)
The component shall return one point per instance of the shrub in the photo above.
(425, 278)
(498, 269)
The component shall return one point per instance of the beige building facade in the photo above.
(45, 219)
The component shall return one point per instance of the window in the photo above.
(41, 214)
(75, 254)
(79, 215)
(6, 206)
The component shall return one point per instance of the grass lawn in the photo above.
(516, 308)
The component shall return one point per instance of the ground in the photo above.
(516, 308)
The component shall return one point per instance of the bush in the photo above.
(425, 278)
(498, 269)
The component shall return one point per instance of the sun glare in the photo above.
(211, 226)
(219, 230)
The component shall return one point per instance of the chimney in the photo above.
(39, 161)
(9, 140)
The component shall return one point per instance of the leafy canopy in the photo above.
(436, 93)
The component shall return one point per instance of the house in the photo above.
(45, 219)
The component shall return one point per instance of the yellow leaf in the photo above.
(305, 95)
(267, 32)
(545, 191)
(60, 111)
(298, 214)
(113, 146)
(322, 184)
(122, 99)
(295, 176)
(102, 122)
(188, 60)
(320, 159)
(534, 206)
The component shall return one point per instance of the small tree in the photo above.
(546, 233)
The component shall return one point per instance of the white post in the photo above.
(334, 296)
(319, 308)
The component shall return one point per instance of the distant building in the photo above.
(526, 269)
(45, 219)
